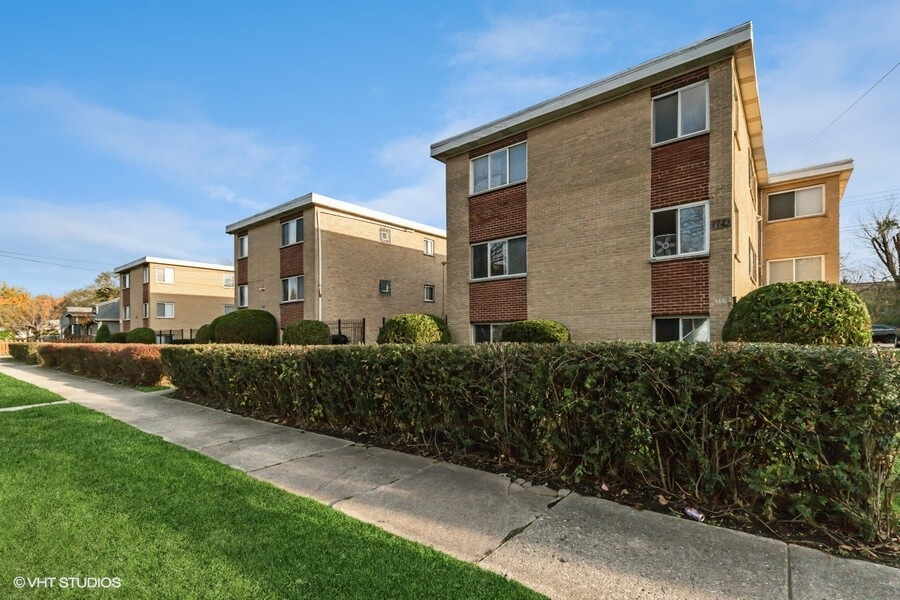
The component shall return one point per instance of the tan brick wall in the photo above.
(457, 170)
(498, 301)
(199, 296)
(263, 268)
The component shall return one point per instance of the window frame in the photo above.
(794, 259)
(301, 289)
(428, 242)
(492, 326)
(146, 274)
(126, 280)
(490, 277)
(681, 318)
(243, 246)
(126, 310)
(246, 292)
(680, 255)
(508, 183)
(794, 191)
(164, 305)
(425, 293)
(146, 310)
(165, 271)
(295, 226)
(679, 136)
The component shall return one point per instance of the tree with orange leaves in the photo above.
(20, 312)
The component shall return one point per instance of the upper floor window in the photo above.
(228, 281)
(797, 203)
(165, 275)
(499, 258)
(429, 247)
(384, 235)
(292, 232)
(808, 268)
(243, 295)
(501, 167)
(680, 231)
(146, 274)
(126, 280)
(681, 113)
(292, 289)
(243, 246)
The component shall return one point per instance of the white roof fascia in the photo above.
(174, 262)
(813, 171)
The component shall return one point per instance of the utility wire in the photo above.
(73, 260)
(44, 262)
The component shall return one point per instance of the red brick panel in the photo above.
(291, 312)
(126, 297)
(126, 326)
(487, 148)
(292, 260)
(679, 172)
(498, 301)
(680, 287)
(497, 214)
(242, 271)
(680, 81)
(145, 292)
(146, 322)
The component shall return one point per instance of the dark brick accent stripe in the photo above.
(498, 301)
(241, 271)
(291, 258)
(515, 139)
(290, 313)
(680, 287)
(679, 172)
(498, 214)
(145, 292)
(680, 81)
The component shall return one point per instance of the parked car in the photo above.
(885, 334)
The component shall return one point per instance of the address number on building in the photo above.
(720, 224)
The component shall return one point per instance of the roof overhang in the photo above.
(841, 168)
(171, 261)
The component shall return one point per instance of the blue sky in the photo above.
(143, 128)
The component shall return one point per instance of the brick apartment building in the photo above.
(320, 258)
(173, 295)
(637, 207)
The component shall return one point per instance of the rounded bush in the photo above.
(801, 312)
(246, 326)
(540, 331)
(141, 335)
(103, 334)
(414, 328)
(203, 335)
(119, 337)
(307, 333)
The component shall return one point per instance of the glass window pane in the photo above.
(781, 206)
(498, 168)
(517, 163)
(808, 269)
(300, 288)
(664, 228)
(160, 309)
(479, 261)
(285, 290)
(480, 174)
(516, 250)
(693, 110)
(693, 229)
(285, 234)
(482, 333)
(665, 118)
(808, 202)
(667, 330)
(781, 270)
(497, 332)
(498, 258)
(695, 330)
(298, 230)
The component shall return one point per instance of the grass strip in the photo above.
(18, 393)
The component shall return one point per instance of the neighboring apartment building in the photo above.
(638, 207)
(320, 258)
(169, 295)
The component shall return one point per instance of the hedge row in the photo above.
(25, 352)
(128, 364)
(787, 432)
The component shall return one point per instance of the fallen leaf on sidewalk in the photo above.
(662, 500)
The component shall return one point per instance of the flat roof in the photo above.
(313, 199)
(843, 168)
(172, 261)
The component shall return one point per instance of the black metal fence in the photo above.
(353, 329)
(175, 336)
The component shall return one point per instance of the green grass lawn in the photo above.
(82, 495)
(18, 393)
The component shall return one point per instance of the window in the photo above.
(797, 203)
(384, 287)
(681, 329)
(487, 333)
(499, 168)
(384, 235)
(429, 293)
(292, 289)
(146, 310)
(127, 316)
(228, 281)
(165, 310)
(243, 296)
(754, 262)
(229, 308)
(736, 219)
(429, 247)
(499, 258)
(292, 232)
(796, 269)
(243, 246)
(680, 231)
(146, 274)
(165, 275)
(126, 280)
(681, 113)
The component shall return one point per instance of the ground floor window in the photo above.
(796, 269)
(165, 310)
(292, 289)
(488, 332)
(429, 293)
(681, 329)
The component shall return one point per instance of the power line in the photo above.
(72, 260)
(43, 262)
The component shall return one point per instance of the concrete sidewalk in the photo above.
(561, 544)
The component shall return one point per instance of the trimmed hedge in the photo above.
(26, 352)
(801, 312)
(203, 335)
(128, 364)
(103, 334)
(246, 326)
(538, 331)
(415, 328)
(785, 432)
(119, 337)
(307, 333)
(141, 335)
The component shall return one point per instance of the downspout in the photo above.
(319, 262)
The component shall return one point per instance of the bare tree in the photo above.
(883, 233)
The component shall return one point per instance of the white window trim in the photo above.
(679, 137)
(489, 277)
(795, 259)
(146, 310)
(165, 270)
(283, 279)
(794, 218)
(295, 227)
(164, 310)
(241, 246)
(126, 316)
(679, 317)
(493, 341)
(146, 273)
(425, 249)
(508, 183)
(704, 252)
(425, 294)
(126, 281)
(247, 303)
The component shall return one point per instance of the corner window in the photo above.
(797, 203)
(146, 275)
(146, 310)
(680, 231)
(499, 258)
(292, 289)
(243, 246)
(165, 275)
(501, 167)
(429, 248)
(165, 310)
(228, 281)
(796, 269)
(429, 293)
(292, 232)
(243, 296)
(126, 280)
(681, 113)
(681, 329)
(488, 332)
(127, 314)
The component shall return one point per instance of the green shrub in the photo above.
(212, 328)
(203, 335)
(802, 312)
(414, 328)
(128, 364)
(537, 331)
(103, 334)
(26, 352)
(247, 326)
(307, 333)
(141, 335)
(119, 337)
